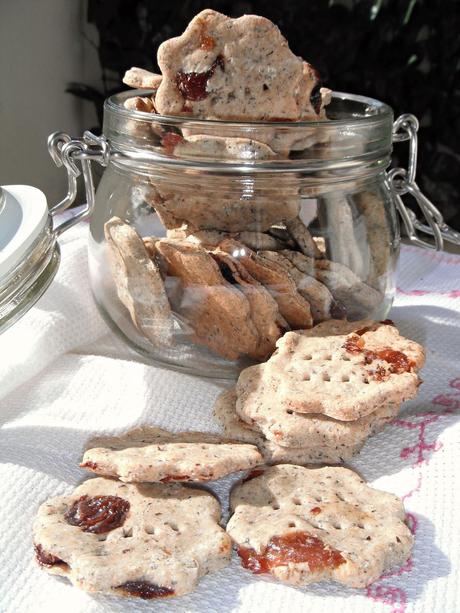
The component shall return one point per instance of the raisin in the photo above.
(354, 344)
(253, 474)
(47, 559)
(315, 98)
(170, 140)
(294, 547)
(226, 272)
(89, 465)
(98, 514)
(362, 331)
(192, 85)
(144, 590)
(399, 361)
(175, 478)
(250, 559)
(207, 43)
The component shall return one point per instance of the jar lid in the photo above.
(29, 253)
(23, 216)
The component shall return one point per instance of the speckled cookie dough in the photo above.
(137, 540)
(358, 298)
(152, 455)
(306, 525)
(292, 306)
(142, 79)
(221, 148)
(334, 371)
(306, 439)
(222, 206)
(218, 312)
(225, 68)
(139, 282)
(322, 304)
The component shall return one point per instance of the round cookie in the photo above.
(305, 525)
(151, 454)
(296, 438)
(223, 68)
(146, 541)
(331, 371)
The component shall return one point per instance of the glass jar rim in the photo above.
(357, 133)
(377, 111)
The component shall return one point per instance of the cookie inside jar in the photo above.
(249, 214)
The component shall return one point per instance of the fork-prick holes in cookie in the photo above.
(289, 411)
(307, 357)
(337, 526)
(306, 377)
(345, 379)
(361, 526)
(127, 533)
(275, 506)
(296, 501)
(173, 526)
(102, 537)
(149, 530)
(291, 524)
(326, 377)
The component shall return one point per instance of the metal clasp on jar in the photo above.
(67, 151)
(402, 182)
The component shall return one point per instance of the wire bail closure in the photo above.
(402, 182)
(66, 151)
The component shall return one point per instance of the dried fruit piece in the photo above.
(170, 141)
(253, 474)
(44, 558)
(399, 361)
(294, 547)
(354, 345)
(192, 85)
(98, 514)
(144, 590)
(170, 478)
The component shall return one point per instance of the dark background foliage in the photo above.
(404, 52)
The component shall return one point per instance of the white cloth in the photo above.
(64, 376)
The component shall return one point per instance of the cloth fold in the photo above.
(65, 377)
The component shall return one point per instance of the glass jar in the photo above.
(210, 239)
(263, 227)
